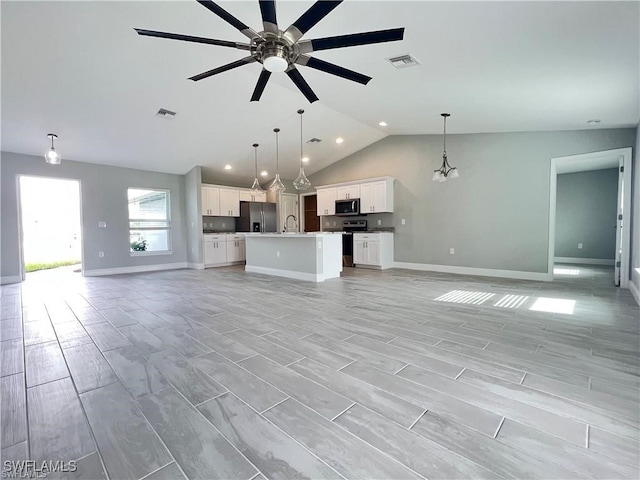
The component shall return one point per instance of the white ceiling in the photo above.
(78, 69)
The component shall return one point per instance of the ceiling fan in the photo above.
(280, 51)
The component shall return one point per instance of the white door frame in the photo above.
(622, 157)
(23, 273)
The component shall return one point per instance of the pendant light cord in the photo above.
(255, 157)
(301, 151)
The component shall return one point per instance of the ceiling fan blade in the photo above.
(262, 82)
(308, 19)
(189, 38)
(268, 11)
(224, 68)
(302, 84)
(227, 17)
(332, 69)
(352, 40)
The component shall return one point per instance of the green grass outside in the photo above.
(34, 267)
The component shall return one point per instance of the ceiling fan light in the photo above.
(275, 64)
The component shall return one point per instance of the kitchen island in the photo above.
(314, 257)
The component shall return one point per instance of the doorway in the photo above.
(619, 159)
(311, 220)
(51, 228)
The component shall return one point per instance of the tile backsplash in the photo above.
(219, 224)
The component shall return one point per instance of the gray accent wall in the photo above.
(496, 215)
(586, 209)
(104, 198)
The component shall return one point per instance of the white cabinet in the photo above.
(247, 196)
(229, 202)
(210, 200)
(223, 249)
(373, 250)
(347, 192)
(376, 197)
(326, 201)
(215, 250)
(235, 248)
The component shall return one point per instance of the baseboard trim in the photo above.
(635, 292)
(195, 266)
(136, 269)
(482, 272)
(10, 279)
(585, 261)
(309, 277)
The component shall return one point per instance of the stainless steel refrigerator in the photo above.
(256, 217)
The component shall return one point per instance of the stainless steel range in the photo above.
(347, 239)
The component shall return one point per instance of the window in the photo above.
(149, 222)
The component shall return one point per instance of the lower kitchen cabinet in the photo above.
(236, 249)
(373, 250)
(223, 249)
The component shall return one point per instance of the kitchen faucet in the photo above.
(287, 221)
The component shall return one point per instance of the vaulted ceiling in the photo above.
(78, 69)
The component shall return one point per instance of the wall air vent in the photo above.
(314, 140)
(403, 61)
(164, 113)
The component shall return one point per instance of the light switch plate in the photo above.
(452, 251)
(579, 245)
(102, 224)
(403, 221)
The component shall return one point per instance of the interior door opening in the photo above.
(619, 266)
(51, 225)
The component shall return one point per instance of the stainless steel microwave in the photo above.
(348, 207)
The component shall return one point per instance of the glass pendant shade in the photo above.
(256, 188)
(52, 157)
(301, 182)
(277, 184)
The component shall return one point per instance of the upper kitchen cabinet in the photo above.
(376, 196)
(326, 201)
(348, 192)
(247, 196)
(229, 202)
(210, 200)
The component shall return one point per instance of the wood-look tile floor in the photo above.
(376, 375)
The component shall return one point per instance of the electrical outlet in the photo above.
(224, 224)
(334, 224)
(278, 253)
(403, 221)
(101, 254)
(379, 222)
(579, 245)
(452, 251)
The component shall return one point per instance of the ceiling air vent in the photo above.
(314, 140)
(403, 61)
(164, 113)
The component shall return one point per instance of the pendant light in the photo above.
(302, 182)
(445, 170)
(277, 184)
(52, 157)
(256, 189)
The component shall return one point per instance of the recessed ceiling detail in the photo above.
(403, 61)
(280, 51)
(167, 114)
